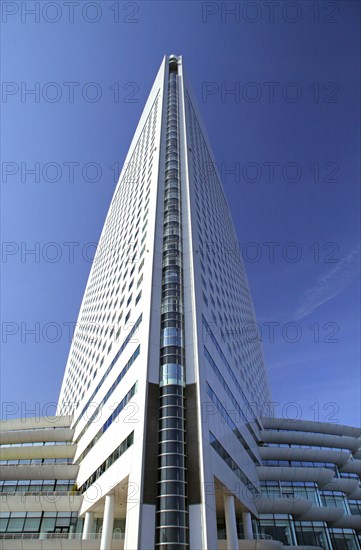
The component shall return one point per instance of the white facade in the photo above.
(38, 494)
(124, 288)
(309, 492)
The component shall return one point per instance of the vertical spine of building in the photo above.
(172, 513)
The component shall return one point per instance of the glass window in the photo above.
(16, 522)
(10, 487)
(343, 539)
(62, 522)
(355, 507)
(336, 501)
(312, 534)
(32, 522)
(276, 529)
(172, 337)
(4, 518)
(48, 525)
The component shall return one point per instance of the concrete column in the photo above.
(108, 523)
(231, 526)
(247, 525)
(88, 525)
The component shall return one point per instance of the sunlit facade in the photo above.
(162, 330)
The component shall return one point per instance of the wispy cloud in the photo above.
(330, 284)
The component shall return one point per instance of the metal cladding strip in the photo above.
(273, 473)
(302, 453)
(310, 438)
(312, 427)
(172, 512)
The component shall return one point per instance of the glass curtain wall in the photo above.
(172, 514)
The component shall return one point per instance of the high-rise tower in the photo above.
(163, 446)
(163, 378)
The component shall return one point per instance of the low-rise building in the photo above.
(308, 495)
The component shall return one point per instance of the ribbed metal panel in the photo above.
(172, 508)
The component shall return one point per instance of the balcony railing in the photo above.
(35, 444)
(39, 493)
(43, 536)
(37, 462)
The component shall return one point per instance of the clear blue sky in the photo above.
(291, 130)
